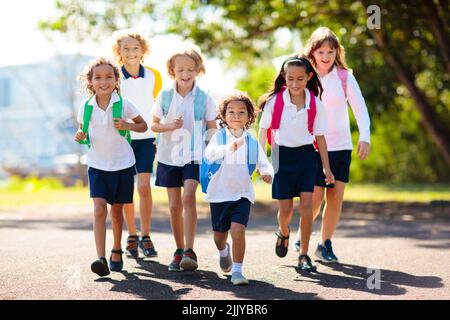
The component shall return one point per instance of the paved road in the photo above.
(46, 254)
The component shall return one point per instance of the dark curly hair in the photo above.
(238, 96)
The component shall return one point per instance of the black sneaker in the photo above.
(100, 267)
(331, 254)
(175, 264)
(305, 264)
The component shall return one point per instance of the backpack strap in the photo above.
(166, 100)
(158, 81)
(87, 113)
(276, 115)
(343, 75)
(252, 153)
(117, 113)
(199, 115)
(312, 111)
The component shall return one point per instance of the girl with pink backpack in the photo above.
(292, 117)
(340, 86)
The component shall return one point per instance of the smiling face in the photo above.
(131, 51)
(296, 79)
(103, 79)
(236, 115)
(185, 71)
(324, 57)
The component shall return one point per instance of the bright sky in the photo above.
(23, 43)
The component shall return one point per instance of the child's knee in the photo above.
(176, 208)
(189, 200)
(237, 231)
(100, 212)
(144, 189)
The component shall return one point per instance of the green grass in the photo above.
(37, 193)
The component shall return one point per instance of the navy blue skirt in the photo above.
(295, 171)
(144, 152)
(113, 186)
(173, 177)
(223, 213)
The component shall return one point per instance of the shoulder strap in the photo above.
(221, 137)
(277, 110)
(311, 111)
(87, 113)
(166, 100)
(343, 74)
(252, 153)
(117, 113)
(158, 81)
(199, 104)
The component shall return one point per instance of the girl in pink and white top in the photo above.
(339, 87)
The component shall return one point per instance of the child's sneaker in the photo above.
(175, 264)
(189, 260)
(226, 262)
(100, 267)
(297, 245)
(238, 279)
(132, 246)
(147, 247)
(305, 264)
(331, 254)
(322, 254)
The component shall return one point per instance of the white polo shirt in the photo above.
(109, 151)
(140, 91)
(293, 130)
(174, 147)
(232, 181)
(338, 136)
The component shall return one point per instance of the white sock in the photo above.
(237, 267)
(223, 253)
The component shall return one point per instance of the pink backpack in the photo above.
(278, 110)
(343, 74)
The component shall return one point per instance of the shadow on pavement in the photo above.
(140, 284)
(362, 279)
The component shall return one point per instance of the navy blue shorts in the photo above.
(339, 165)
(296, 171)
(144, 152)
(223, 213)
(113, 186)
(173, 177)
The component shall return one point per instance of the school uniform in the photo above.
(293, 155)
(177, 161)
(142, 90)
(338, 136)
(230, 190)
(110, 158)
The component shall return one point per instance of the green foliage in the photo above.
(30, 184)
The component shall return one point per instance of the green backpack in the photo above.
(117, 113)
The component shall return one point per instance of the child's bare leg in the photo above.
(332, 211)
(220, 239)
(237, 232)
(129, 216)
(190, 211)
(145, 202)
(176, 215)
(100, 214)
(117, 224)
(285, 212)
(317, 199)
(306, 224)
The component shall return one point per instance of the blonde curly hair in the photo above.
(121, 35)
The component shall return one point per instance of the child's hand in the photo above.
(177, 124)
(79, 136)
(329, 177)
(120, 124)
(267, 178)
(237, 143)
(363, 149)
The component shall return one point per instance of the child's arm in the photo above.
(262, 137)
(79, 135)
(264, 167)
(157, 126)
(323, 151)
(359, 108)
(139, 124)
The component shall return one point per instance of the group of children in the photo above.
(304, 118)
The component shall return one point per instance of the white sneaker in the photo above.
(238, 279)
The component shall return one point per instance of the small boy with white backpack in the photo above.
(230, 159)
